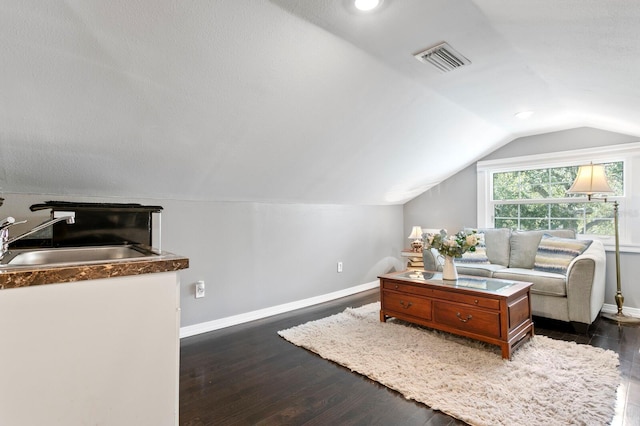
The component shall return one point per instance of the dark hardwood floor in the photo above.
(248, 375)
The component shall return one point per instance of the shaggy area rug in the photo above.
(547, 382)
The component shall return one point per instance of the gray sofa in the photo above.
(575, 297)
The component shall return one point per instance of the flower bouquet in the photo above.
(451, 246)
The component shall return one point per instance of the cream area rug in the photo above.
(547, 382)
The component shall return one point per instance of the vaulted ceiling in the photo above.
(296, 101)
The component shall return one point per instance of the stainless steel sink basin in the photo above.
(34, 257)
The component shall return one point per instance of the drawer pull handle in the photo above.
(397, 286)
(405, 305)
(475, 301)
(463, 319)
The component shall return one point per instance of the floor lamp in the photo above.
(592, 179)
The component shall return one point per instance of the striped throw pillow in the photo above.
(555, 254)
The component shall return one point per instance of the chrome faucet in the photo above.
(4, 234)
(7, 223)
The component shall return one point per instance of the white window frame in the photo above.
(629, 202)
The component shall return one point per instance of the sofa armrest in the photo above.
(586, 284)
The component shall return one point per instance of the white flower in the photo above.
(472, 240)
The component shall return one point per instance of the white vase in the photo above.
(449, 271)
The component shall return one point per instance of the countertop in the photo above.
(27, 276)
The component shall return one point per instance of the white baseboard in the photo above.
(612, 309)
(192, 330)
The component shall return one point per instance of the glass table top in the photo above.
(477, 283)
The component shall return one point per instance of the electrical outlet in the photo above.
(199, 289)
(339, 266)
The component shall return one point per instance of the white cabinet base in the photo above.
(103, 351)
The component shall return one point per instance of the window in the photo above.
(537, 199)
(530, 193)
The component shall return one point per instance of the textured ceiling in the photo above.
(295, 101)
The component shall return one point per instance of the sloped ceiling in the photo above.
(295, 101)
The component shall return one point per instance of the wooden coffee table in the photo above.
(490, 310)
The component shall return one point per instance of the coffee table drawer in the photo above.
(406, 288)
(470, 300)
(407, 305)
(467, 318)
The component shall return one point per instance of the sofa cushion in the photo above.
(524, 246)
(544, 283)
(555, 254)
(478, 269)
(497, 243)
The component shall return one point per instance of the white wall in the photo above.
(258, 255)
(453, 203)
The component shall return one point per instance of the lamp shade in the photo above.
(416, 233)
(591, 179)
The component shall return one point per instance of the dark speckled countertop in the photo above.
(27, 276)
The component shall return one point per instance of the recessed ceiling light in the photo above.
(367, 5)
(523, 114)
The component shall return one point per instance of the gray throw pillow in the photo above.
(497, 242)
(524, 245)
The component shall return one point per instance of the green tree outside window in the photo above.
(538, 199)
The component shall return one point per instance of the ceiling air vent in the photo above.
(443, 57)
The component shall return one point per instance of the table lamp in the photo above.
(416, 236)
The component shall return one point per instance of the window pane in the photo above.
(506, 210)
(563, 175)
(559, 189)
(548, 182)
(599, 219)
(506, 223)
(539, 188)
(600, 227)
(531, 224)
(534, 210)
(615, 177)
(506, 186)
(568, 210)
(585, 218)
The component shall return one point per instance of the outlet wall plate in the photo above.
(199, 289)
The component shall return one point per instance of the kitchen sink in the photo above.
(74, 255)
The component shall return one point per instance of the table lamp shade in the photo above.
(591, 179)
(416, 233)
